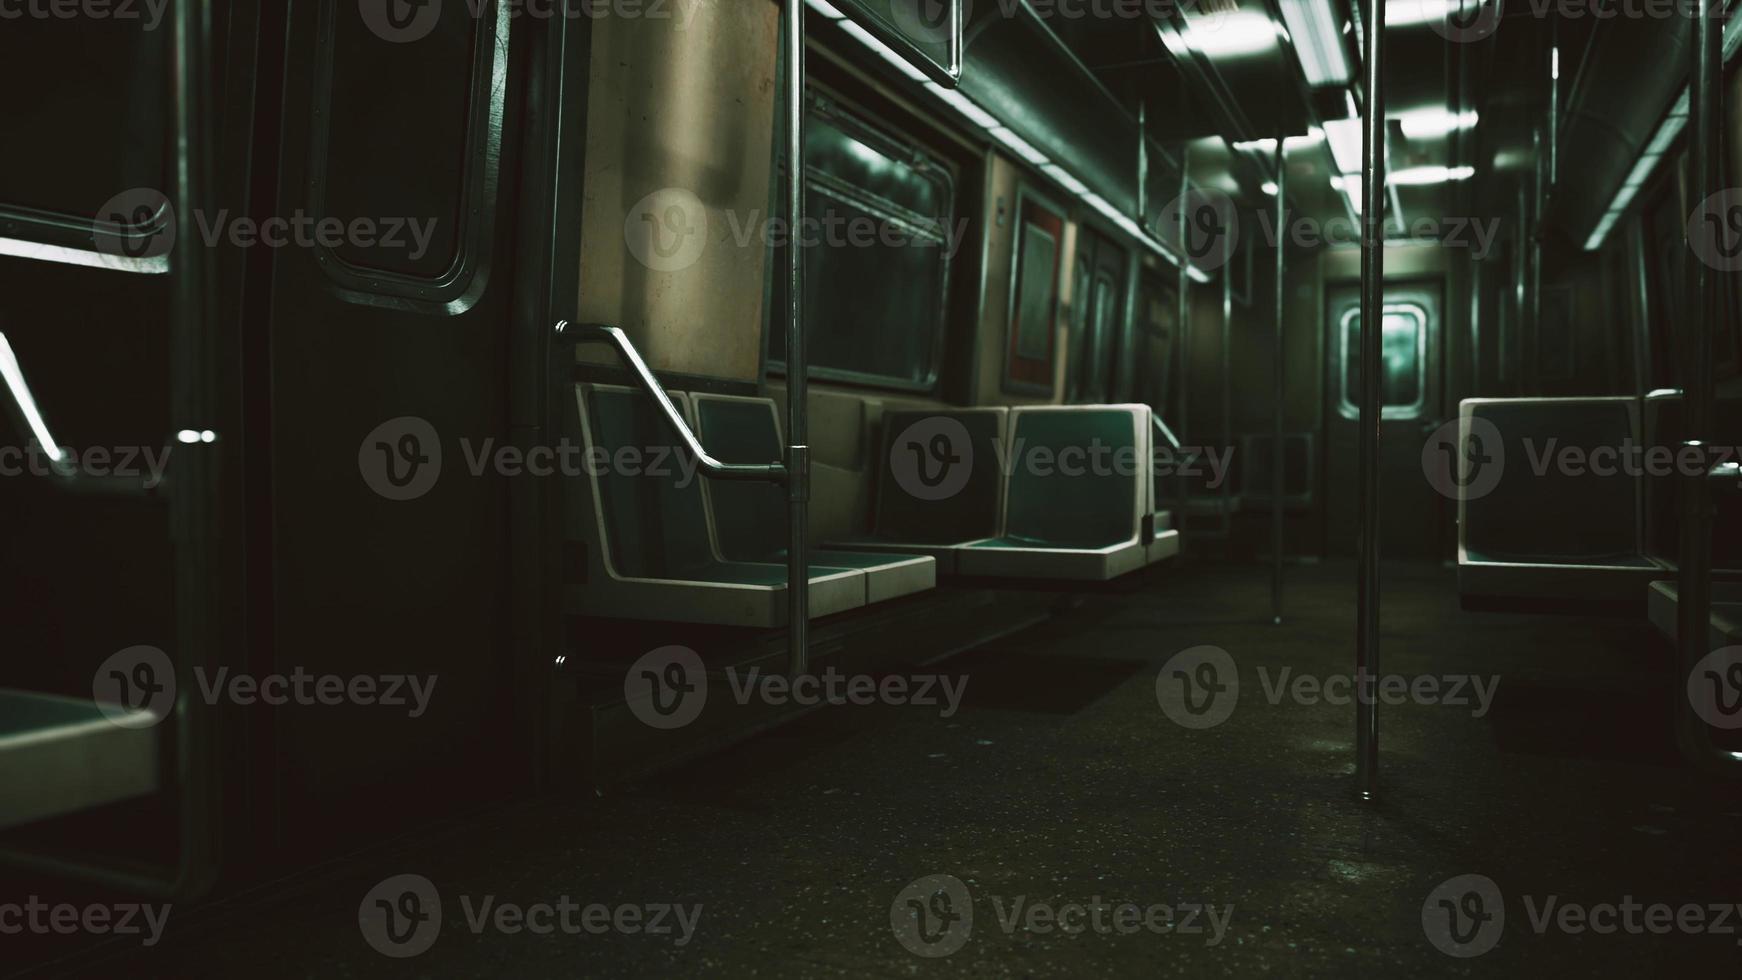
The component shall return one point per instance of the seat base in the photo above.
(1017, 558)
(62, 755)
(1619, 580)
(749, 594)
(1663, 607)
(942, 555)
(1165, 546)
(887, 576)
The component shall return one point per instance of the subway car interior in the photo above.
(548, 488)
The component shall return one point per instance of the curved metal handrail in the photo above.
(1166, 433)
(598, 333)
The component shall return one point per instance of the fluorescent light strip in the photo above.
(1313, 27)
(1604, 227)
(14, 376)
(825, 8)
(1666, 134)
(883, 51)
(1435, 123)
(1064, 177)
(1345, 139)
(1414, 13)
(1267, 146)
(1232, 34)
(1020, 146)
(963, 105)
(1428, 176)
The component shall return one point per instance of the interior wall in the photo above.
(680, 125)
(846, 437)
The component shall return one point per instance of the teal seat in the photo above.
(937, 525)
(749, 519)
(1556, 537)
(72, 754)
(640, 509)
(1078, 497)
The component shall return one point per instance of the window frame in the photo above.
(460, 287)
(892, 141)
(69, 239)
(1347, 408)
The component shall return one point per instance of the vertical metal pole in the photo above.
(1693, 629)
(797, 414)
(1373, 175)
(1142, 163)
(1277, 458)
(1182, 489)
(1227, 521)
(1530, 341)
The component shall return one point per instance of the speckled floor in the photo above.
(1063, 783)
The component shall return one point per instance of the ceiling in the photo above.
(1216, 79)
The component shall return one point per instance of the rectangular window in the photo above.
(877, 251)
(410, 171)
(1035, 293)
(1034, 297)
(88, 126)
(1403, 360)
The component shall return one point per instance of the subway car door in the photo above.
(1410, 393)
(1101, 278)
(1153, 325)
(389, 370)
(106, 511)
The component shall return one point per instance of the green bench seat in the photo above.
(639, 514)
(749, 519)
(939, 484)
(1078, 499)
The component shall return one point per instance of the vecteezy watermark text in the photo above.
(38, 917)
(1199, 688)
(401, 917)
(401, 459)
(147, 13)
(934, 917)
(1465, 459)
(143, 463)
(1465, 916)
(669, 230)
(136, 688)
(932, 458)
(668, 687)
(141, 224)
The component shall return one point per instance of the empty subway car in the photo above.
(869, 486)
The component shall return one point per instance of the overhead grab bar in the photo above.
(570, 334)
